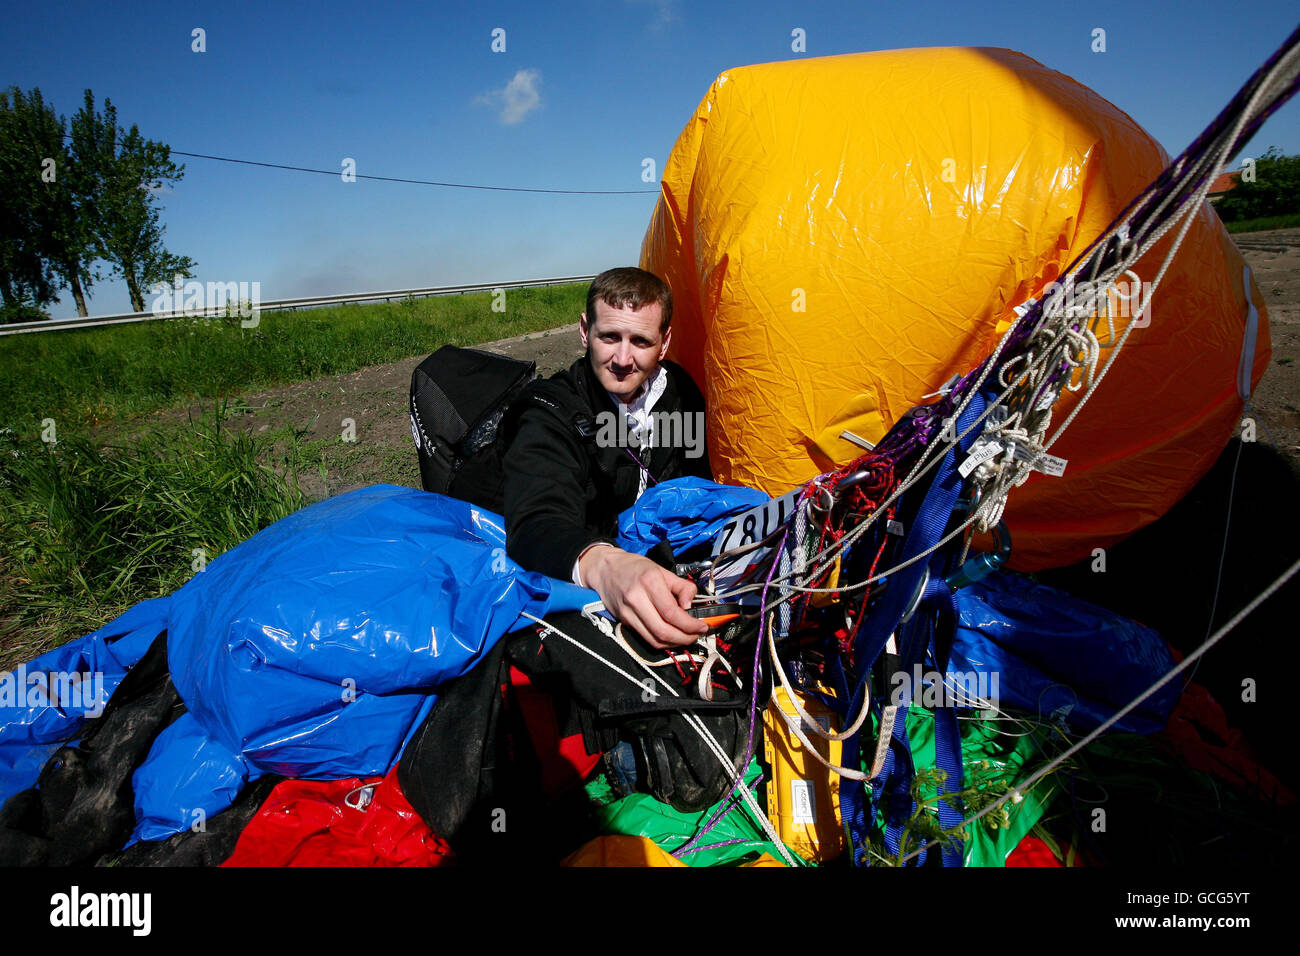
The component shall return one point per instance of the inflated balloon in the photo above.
(843, 235)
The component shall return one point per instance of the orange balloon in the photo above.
(843, 235)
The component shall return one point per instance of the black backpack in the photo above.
(458, 399)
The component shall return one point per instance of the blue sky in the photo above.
(582, 94)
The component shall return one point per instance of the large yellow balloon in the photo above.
(844, 234)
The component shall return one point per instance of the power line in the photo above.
(427, 182)
(414, 182)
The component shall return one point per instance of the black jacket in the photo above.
(562, 490)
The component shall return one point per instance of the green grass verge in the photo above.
(88, 377)
(1288, 221)
(88, 530)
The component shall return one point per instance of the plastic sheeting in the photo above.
(1059, 657)
(637, 851)
(1031, 851)
(1201, 737)
(33, 725)
(844, 234)
(313, 648)
(187, 778)
(734, 840)
(684, 512)
(989, 758)
(349, 822)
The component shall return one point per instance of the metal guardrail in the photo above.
(278, 305)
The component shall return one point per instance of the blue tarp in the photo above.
(186, 778)
(684, 512)
(1059, 657)
(314, 649)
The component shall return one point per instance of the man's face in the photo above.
(625, 345)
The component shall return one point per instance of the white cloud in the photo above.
(518, 98)
(665, 12)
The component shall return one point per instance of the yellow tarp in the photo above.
(844, 234)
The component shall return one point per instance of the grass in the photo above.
(338, 464)
(90, 527)
(1288, 221)
(89, 530)
(88, 377)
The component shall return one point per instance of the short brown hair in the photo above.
(630, 288)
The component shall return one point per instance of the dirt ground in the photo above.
(1274, 257)
(375, 398)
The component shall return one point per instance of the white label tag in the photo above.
(822, 720)
(803, 801)
(981, 453)
(887, 717)
(1046, 402)
(895, 527)
(1022, 452)
(1050, 465)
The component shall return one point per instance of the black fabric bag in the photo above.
(458, 398)
(469, 762)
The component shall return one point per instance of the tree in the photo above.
(74, 213)
(1275, 190)
(65, 206)
(30, 134)
(126, 214)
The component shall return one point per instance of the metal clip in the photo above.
(364, 795)
(916, 598)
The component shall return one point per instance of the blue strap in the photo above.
(947, 756)
(926, 529)
(947, 733)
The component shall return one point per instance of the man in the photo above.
(564, 490)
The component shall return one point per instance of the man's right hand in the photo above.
(642, 595)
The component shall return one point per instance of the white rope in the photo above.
(723, 759)
(708, 738)
(803, 714)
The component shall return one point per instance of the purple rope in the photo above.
(650, 479)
